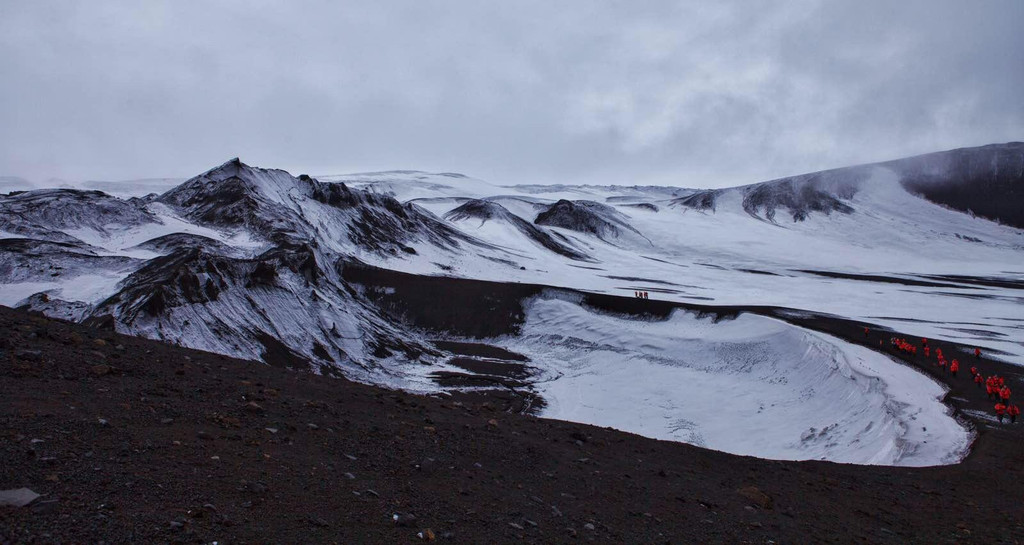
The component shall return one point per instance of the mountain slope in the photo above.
(261, 264)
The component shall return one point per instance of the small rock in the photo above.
(17, 497)
(204, 436)
(166, 421)
(103, 422)
(100, 342)
(175, 525)
(516, 526)
(404, 520)
(755, 495)
(312, 426)
(493, 423)
(253, 407)
(271, 430)
(100, 370)
(319, 522)
(350, 476)
(427, 535)
(588, 526)
(350, 457)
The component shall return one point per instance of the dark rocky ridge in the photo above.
(32, 260)
(588, 217)
(701, 200)
(987, 181)
(167, 244)
(43, 213)
(485, 210)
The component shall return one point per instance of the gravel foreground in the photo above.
(134, 441)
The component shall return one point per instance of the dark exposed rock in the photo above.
(491, 211)
(589, 217)
(987, 181)
(701, 200)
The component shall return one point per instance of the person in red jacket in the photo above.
(954, 367)
(924, 341)
(1004, 394)
(990, 387)
(927, 351)
(978, 380)
(1014, 412)
(865, 331)
(974, 371)
(1000, 411)
(977, 352)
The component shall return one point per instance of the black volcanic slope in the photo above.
(586, 217)
(701, 200)
(134, 441)
(491, 211)
(988, 180)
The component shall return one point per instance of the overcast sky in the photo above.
(698, 94)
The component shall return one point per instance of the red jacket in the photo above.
(977, 378)
(955, 366)
(1013, 410)
(1000, 409)
(977, 351)
(1005, 392)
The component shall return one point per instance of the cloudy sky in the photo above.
(697, 94)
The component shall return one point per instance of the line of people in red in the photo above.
(995, 385)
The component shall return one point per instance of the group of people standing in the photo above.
(640, 294)
(995, 385)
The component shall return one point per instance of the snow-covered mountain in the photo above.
(259, 263)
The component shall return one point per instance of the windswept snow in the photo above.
(752, 385)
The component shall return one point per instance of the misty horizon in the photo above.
(658, 93)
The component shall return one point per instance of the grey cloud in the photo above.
(683, 93)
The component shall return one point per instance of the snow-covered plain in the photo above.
(752, 385)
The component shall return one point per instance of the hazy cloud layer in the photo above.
(681, 93)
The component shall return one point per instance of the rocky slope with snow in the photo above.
(257, 263)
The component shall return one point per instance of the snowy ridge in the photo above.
(249, 262)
